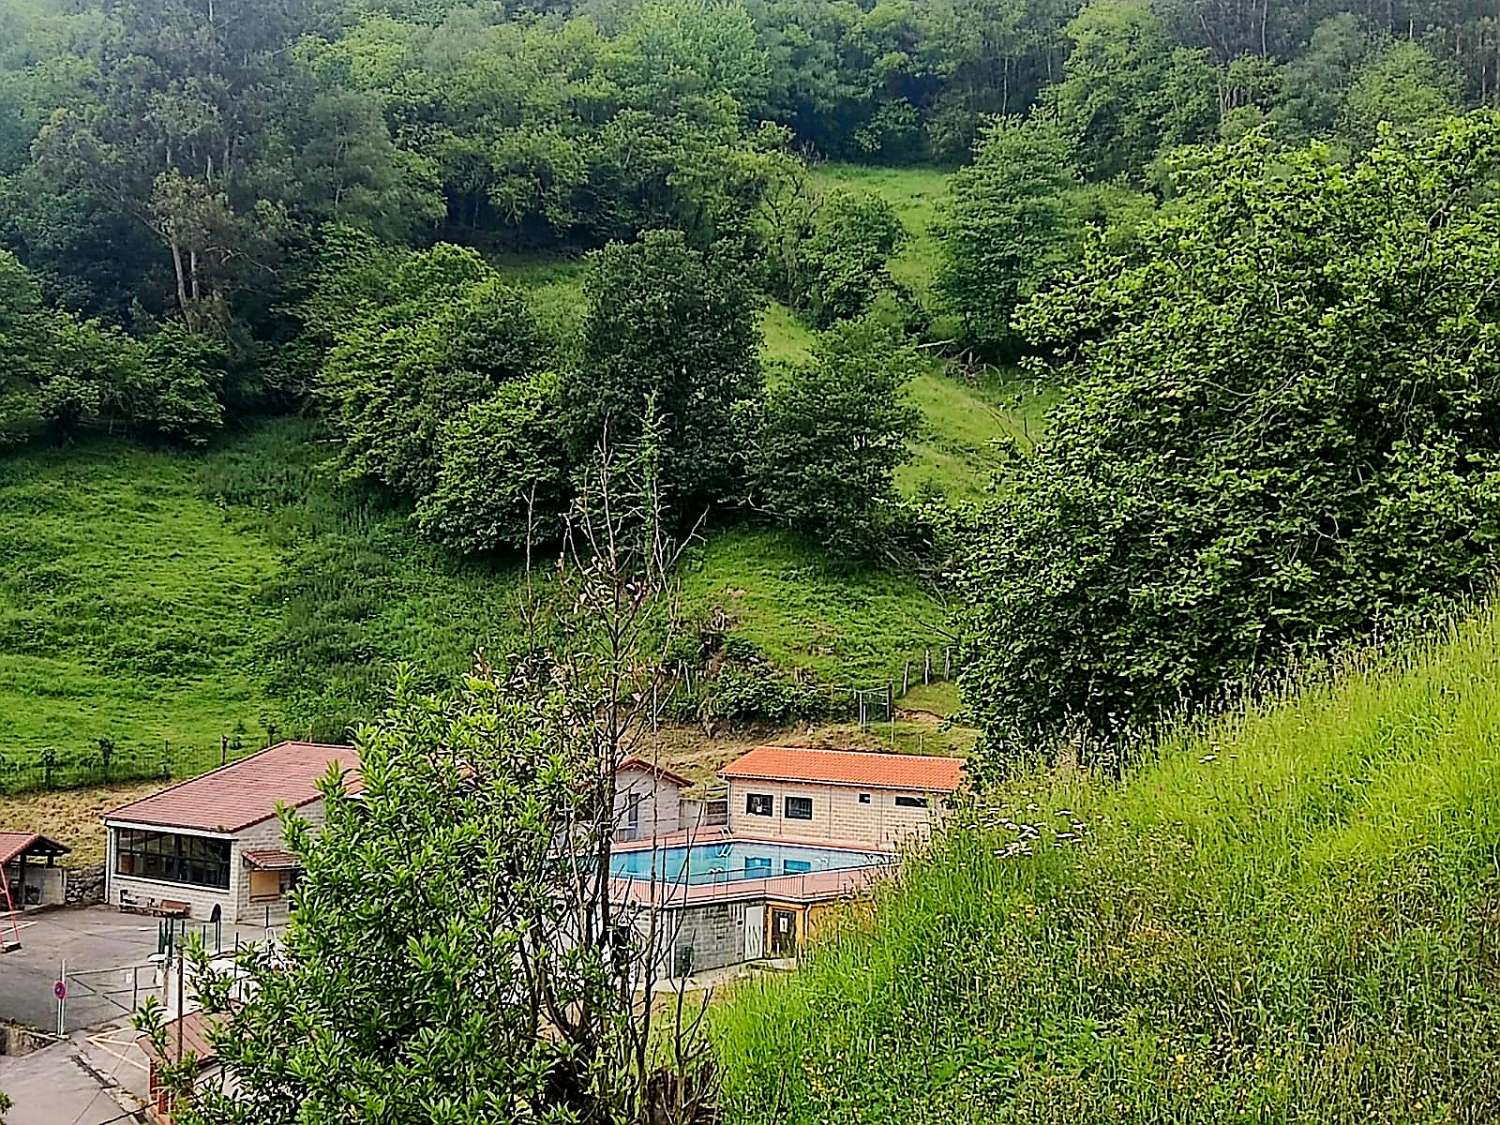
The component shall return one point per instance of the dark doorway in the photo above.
(783, 933)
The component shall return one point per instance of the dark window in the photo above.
(911, 802)
(798, 808)
(757, 865)
(760, 804)
(796, 866)
(171, 858)
(682, 961)
(864, 798)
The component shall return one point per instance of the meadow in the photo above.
(1287, 914)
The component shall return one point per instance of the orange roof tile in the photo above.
(245, 792)
(849, 767)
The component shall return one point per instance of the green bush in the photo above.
(503, 471)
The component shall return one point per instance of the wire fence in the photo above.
(105, 763)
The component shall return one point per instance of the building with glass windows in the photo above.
(215, 841)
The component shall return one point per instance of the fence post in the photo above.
(906, 678)
(947, 662)
(927, 665)
(223, 749)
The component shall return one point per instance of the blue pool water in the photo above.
(732, 860)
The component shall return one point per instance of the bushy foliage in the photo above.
(834, 433)
(668, 334)
(1403, 86)
(454, 335)
(503, 469)
(846, 258)
(177, 389)
(1009, 226)
(1284, 431)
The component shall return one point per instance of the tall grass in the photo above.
(1291, 914)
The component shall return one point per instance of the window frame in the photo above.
(177, 858)
(755, 802)
(906, 801)
(786, 807)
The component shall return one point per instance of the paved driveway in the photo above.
(89, 939)
(74, 1083)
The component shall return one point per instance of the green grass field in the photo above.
(159, 598)
(1288, 915)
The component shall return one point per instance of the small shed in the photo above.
(29, 863)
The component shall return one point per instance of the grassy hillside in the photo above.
(1293, 915)
(153, 597)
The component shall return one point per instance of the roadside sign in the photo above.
(60, 990)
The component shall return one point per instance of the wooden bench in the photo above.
(157, 908)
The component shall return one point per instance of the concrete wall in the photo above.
(660, 805)
(716, 932)
(839, 816)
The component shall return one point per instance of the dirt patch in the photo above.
(72, 816)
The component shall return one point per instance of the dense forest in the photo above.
(1248, 243)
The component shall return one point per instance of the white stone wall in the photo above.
(839, 816)
(660, 804)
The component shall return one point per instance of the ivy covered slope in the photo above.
(1287, 915)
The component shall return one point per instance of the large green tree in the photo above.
(452, 336)
(835, 431)
(1009, 226)
(1284, 433)
(668, 335)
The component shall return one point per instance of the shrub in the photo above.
(502, 476)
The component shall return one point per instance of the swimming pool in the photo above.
(729, 861)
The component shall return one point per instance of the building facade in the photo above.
(215, 842)
(850, 798)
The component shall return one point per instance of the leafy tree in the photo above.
(1404, 86)
(1316, 82)
(454, 336)
(177, 389)
(834, 433)
(846, 259)
(669, 333)
(56, 371)
(1009, 226)
(1283, 434)
(1128, 90)
(503, 468)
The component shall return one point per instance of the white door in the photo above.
(755, 931)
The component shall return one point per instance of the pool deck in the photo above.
(805, 887)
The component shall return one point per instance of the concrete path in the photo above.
(63, 1085)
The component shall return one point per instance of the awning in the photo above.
(271, 859)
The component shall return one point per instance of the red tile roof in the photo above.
(245, 792)
(635, 762)
(13, 844)
(849, 767)
(197, 1027)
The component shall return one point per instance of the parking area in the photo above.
(108, 959)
